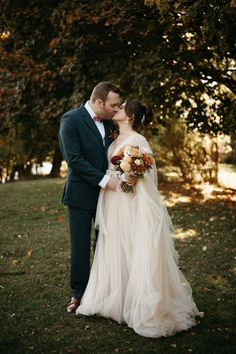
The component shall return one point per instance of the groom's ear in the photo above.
(99, 102)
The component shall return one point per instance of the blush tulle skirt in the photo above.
(135, 277)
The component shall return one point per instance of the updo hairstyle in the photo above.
(141, 114)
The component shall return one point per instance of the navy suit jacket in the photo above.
(82, 147)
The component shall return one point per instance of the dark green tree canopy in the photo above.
(179, 56)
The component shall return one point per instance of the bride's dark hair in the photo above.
(142, 114)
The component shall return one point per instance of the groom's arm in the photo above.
(72, 151)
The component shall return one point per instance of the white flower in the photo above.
(127, 159)
(125, 166)
(137, 162)
(127, 150)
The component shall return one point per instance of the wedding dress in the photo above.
(134, 276)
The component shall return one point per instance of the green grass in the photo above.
(34, 282)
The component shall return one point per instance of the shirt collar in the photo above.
(89, 109)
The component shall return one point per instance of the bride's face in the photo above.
(121, 114)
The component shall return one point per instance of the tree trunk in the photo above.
(215, 161)
(56, 163)
(233, 146)
(24, 170)
(11, 173)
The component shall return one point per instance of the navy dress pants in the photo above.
(80, 222)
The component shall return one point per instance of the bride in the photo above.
(135, 277)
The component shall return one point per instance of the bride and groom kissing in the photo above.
(134, 277)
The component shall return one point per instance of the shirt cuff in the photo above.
(104, 181)
(123, 177)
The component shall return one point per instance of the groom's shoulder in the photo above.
(75, 113)
(71, 113)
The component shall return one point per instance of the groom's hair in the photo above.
(102, 90)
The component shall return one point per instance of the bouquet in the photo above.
(134, 161)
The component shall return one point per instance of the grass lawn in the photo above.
(34, 282)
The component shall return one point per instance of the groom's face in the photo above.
(109, 107)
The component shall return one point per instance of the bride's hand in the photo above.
(130, 179)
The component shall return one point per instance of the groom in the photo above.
(84, 139)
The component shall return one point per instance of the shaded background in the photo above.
(178, 56)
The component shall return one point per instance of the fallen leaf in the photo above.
(29, 253)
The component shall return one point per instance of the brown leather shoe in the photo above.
(73, 305)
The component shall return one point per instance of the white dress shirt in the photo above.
(101, 129)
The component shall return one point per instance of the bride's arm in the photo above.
(141, 141)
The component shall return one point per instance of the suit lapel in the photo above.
(90, 123)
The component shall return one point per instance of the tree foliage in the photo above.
(203, 60)
(176, 55)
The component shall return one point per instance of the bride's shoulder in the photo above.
(140, 137)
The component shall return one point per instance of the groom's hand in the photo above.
(112, 183)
